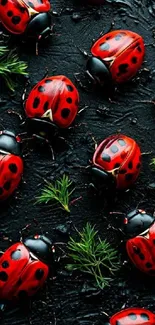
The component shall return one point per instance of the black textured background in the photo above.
(69, 299)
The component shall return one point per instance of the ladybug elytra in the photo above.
(140, 228)
(117, 161)
(11, 163)
(30, 18)
(116, 57)
(132, 316)
(52, 103)
(24, 268)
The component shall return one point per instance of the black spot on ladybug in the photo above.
(69, 100)
(7, 185)
(22, 9)
(108, 37)
(136, 250)
(4, 2)
(114, 148)
(13, 168)
(121, 142)
(65, 112)
(153, 241)
(148, 265)
(118, 37)
(16, 20)
(19, 282)
(36, 102)
(47, 81)
(39, 274)
(139, 49)
(144, 316)
(31, 4)
(134, 60)
(117, 165)
(130, 165)
(5, 264)
(41, 89)
(10, 13)
(128, 177)
(104, 46)
(22, 294)
(45, 107)
(70, 88)
(3, 276)
(106, 157)
(132, 316)
(141, 256)
(123, 171)
(138, 165)
(122, 68)
(16, 255)
(1, 191)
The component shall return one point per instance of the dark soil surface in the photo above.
(70, 298)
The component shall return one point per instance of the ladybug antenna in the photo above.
(119, 213)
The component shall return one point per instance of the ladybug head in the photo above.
(41, 127)
(136, 222)
(41, 247)
(10, 143)
(102, 177)
(97, 71)
(39, 26)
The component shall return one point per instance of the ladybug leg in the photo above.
(82, 109)
(24, 92)
(79, 82)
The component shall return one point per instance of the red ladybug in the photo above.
(53, 102)
(24, 268)
(133, 316)
(11, 163)
(117, 160)
(28, 17)
(141, 247)
(116, 56)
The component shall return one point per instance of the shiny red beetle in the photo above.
(116, 57)
(52, 102)
(30, 18)
(24, 268)
(141, 247)
(117, 160)
(11, 163)
(132, 316)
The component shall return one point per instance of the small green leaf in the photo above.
(10, 65)
(58, 192)
(94, 256)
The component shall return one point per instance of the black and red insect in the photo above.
(24, 268)
(11, 163)
(132, 316)
(51, 106)
(116, 57)
(28, 17)
(139, 227)
(117, 161)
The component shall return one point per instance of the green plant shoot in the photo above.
(93, 256)
(57, 192)
(152, 163)
(10, 65)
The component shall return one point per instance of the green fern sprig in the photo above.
(93, 256)
(57, 192)
(152, 163)
(11, 65)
